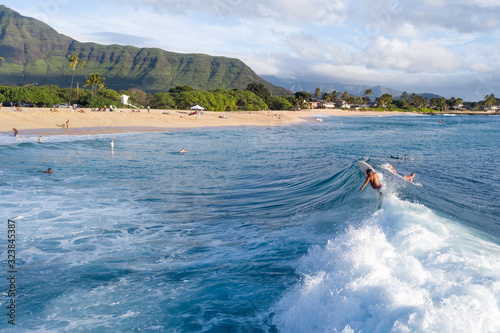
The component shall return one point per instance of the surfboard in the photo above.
(363, 166)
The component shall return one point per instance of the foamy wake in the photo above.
(404, 270)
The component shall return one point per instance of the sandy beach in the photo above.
(44, 121)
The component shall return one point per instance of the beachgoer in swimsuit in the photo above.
(372, 177)
(40, 139)
(408, 178)
(15, 131)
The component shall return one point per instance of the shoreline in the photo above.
(42, 121)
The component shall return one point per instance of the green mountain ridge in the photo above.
(35, 53)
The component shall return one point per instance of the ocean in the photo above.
(255, 229)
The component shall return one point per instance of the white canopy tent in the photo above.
(197, 107)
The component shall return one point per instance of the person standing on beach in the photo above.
(67, 124)
(148, 108)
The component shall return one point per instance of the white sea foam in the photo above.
(9, 140)
(405, 269)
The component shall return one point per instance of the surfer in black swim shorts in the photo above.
(397, 157)
(372, 177)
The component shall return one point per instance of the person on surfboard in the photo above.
(372, 177)
(408, 178)
(397, 157)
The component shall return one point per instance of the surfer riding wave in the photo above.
(372, 178)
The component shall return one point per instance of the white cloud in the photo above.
(416, 56)
(406, 29)
(306, 47)
(481, 67)
(483, 3)
(319, 11)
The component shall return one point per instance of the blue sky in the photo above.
(442, 46)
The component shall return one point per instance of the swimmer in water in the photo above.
(40, 139)
(408, 178)
(183, 150)
(397, 157)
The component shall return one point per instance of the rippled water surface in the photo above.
(257, 229)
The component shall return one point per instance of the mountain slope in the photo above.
(310, 87)
(36, 53)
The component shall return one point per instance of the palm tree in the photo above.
(96, 81)
(317, 92)
(443, 104)
(368, 92)
(73, 62)
(416, 100)
(453, 102)
(385, 100)
(490, 100)
(334, 95)
(404, 96)
(344, 95)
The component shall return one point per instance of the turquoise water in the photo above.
(256, 229)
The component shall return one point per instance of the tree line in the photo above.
(255, 97)
(407, 102)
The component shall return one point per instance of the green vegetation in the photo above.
(34, 95)
(411, 103)
(254, 97)
(181, 97)
(317, 92)
(95, 81)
